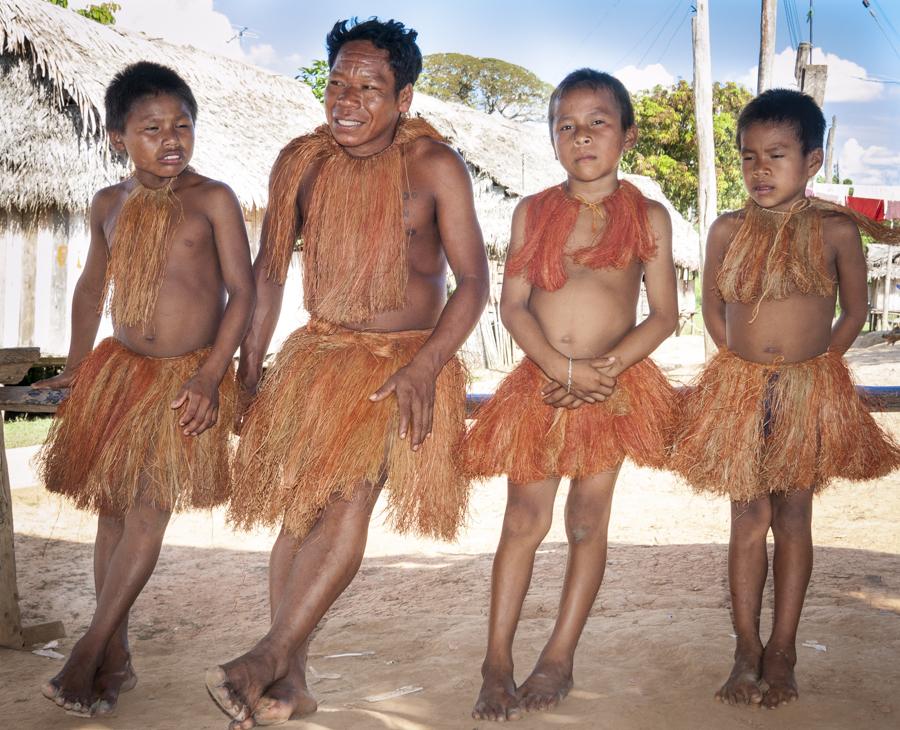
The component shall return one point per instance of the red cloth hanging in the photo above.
(869, 207)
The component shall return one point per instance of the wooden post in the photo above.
(29, 280)
(886, 304)
(829, 151)
(706, 162)
(766, 45)
(14, 363)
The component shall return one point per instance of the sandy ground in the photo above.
(657, 646)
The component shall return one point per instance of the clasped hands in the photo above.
(592, 381)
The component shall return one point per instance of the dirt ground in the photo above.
(657, 645)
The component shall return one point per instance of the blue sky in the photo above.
(645, 41)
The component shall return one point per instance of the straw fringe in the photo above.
(774, 255)
(313, 436)
(354, 240)
(517, 434)
(116, 442)
(818, 429)
(550, 218)
(139, 250)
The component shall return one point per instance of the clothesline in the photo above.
(878, 202)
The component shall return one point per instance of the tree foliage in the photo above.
(315, 76)
(489, 84)
(666, 149)
(104, 13)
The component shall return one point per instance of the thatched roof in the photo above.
(876, 260)
(56, 64)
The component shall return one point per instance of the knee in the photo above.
(586, 518)
(526, 521)
(147, 519)
(792, 518)
(750, 521)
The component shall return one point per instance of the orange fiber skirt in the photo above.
(517, 434)
(116, 442)
(312, 435)
(749, 429)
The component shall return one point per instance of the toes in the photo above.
(223, 695)
(50, 690)
(105, 707)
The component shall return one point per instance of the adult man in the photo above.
(382, 206)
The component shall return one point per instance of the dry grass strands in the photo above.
(139, 250)
(354, 240)
(775, 254)
(748, 429)
(313, 436)
(550, 219)
(116, 441)
(517, 434)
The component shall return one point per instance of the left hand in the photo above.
(200, 396)
(609, 364)
(413, 385)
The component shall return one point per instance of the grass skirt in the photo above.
(517, 434)
(312, 435)
(748, 429)
(115, 441)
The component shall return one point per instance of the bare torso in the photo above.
(595, 308)
(790, 330)
(192, 296)
(426, 291)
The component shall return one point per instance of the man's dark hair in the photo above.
(786, 106)
(390, 35)
(140, 80)
(588, 78)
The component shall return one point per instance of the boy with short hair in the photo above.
(145, 428)
(585, 396)
(775, 416)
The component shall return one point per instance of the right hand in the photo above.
(57, 382)
(590, 382)
(246, 396)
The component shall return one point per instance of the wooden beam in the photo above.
(766, 45)
(10, 619)
(15, 362)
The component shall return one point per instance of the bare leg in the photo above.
(748, 565)
(116, 674)
(529, 514)
(129, 568)
(587, 521)
(327, 561)
(289, 697)
(791, 567)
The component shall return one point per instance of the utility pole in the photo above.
(706, 159)
(766, 45)
(829, 151)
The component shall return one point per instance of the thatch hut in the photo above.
(54, 66)
(883, 264)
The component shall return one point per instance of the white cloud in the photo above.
(185, 22)
(847, 80)
(873, 165)
(638, 79)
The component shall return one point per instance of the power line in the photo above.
(600, 21)
(793, 30)
(674, 33)
(866, 5)
(886, 18)
(661, 29)
(642, 38)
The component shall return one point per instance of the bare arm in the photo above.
(86, 300)
(720, 233)
(588, 385)
(200, 392)
(464, 247)
(853, 293)
(662, 298)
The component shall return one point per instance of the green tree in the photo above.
(666, 149)
(315, 76)
(489, 84)
(104, 13)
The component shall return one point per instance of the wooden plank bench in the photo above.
(14, 364)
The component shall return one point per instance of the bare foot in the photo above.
(73, 687)
(497, 699)
(237, 686)
(778, 673)
(742, 685)
(287, 699)
(115, 675)
(547, 686)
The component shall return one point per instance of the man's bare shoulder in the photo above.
(429, 154)
(207, 193)
(726, 225)
(658, 214)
